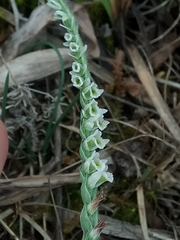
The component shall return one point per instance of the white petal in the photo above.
(101, 143)
(93, 179)
(66, 44)
(97, 178)
(101, 123)
(61, 15)
(72, 73)
(103, 111)
(62, 25)
(83, 50)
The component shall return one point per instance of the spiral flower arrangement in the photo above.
(93, 171)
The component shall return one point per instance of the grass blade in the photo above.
(4, 102)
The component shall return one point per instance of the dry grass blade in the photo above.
(6, 213)
(35, 225)
(15, 190)
(39, 181)
(153, 92)
(142, 211)
(70, 128)
(13, 235)
(16, 13)
(7, 16)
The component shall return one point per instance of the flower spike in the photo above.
(93, 171)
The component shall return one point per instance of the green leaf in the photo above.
(107, 6)
(146, 173)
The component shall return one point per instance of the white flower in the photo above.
(93, 205)
(68, 37)
(54, 4)
(76, 67)
(94, 163)
(61, 15)
(74, 47)
(80, 52)
(92, 112)
(92, 91)
(95, 122)
(77, 81)
(91, 109)
(99, 141)
(95, 141)
(97, 178)
(95, 232)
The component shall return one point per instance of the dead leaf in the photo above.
(34, 66)
(135, 89)
(164, 48)
(7, 16)
(86, 28)
(69, 160)
(153, 220)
